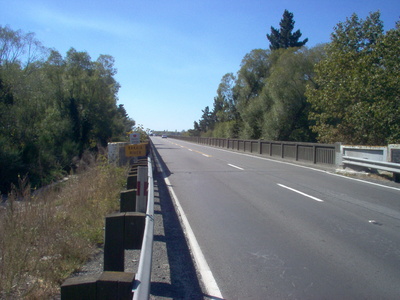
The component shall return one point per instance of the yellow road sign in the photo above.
(135, 150)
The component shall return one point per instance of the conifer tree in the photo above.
(283, 37)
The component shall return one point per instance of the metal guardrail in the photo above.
(372, 164)
(141, 288)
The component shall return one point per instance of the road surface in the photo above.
(275, 230)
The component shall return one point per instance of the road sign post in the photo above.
(134, 138)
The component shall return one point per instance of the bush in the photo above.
(46, 235)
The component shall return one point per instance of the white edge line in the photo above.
(207, 277)
(301, 193)
(205, 271)
(235, 167)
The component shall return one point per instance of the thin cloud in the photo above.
(113, 26)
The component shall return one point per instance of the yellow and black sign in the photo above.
(135, 150)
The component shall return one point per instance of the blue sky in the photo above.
(171, 55)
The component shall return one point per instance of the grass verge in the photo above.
(45, 236)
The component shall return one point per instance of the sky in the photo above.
(171, 55)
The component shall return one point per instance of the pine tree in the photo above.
(284, 38)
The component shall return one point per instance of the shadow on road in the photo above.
(183, 281)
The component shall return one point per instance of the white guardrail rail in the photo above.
(141, 287)
(373, 164)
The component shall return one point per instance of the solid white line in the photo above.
(210, 284)
(301, 193)
(202, 265)
(235, 167)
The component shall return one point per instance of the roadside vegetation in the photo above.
(53, 108)
(57, 114)
(46, 235)
(345, 91)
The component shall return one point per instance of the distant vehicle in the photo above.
(164, 136)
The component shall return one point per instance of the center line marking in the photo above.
(301, 193)
(236, 167)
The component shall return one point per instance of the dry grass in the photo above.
(45, 236)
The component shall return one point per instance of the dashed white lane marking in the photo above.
(233, 166)
(305, 167)
(301, 193)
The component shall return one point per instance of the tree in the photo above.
(126, 121)
(52, 108)
(284, 38)
(287, 117)
(356, 98)
(207, 120)
(250, 102)
(224, 102)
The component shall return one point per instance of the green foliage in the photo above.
(346, 91)
(52, 108)
(357, 93)
(267, 99)
(250, 99)
(284, 38)
(228, 129)
(287, 116)
(207, 120)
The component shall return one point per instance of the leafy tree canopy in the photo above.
(356, 98)
(52, 108)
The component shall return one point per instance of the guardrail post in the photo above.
(338, 154)
(82, 287)
(128, 200)
(115, 285)
(141, 190)
(134, 223)
(123, 231)
(114, 254)
(131, 182)
(108, 285)
(314, 154)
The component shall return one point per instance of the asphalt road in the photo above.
(272, 230)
